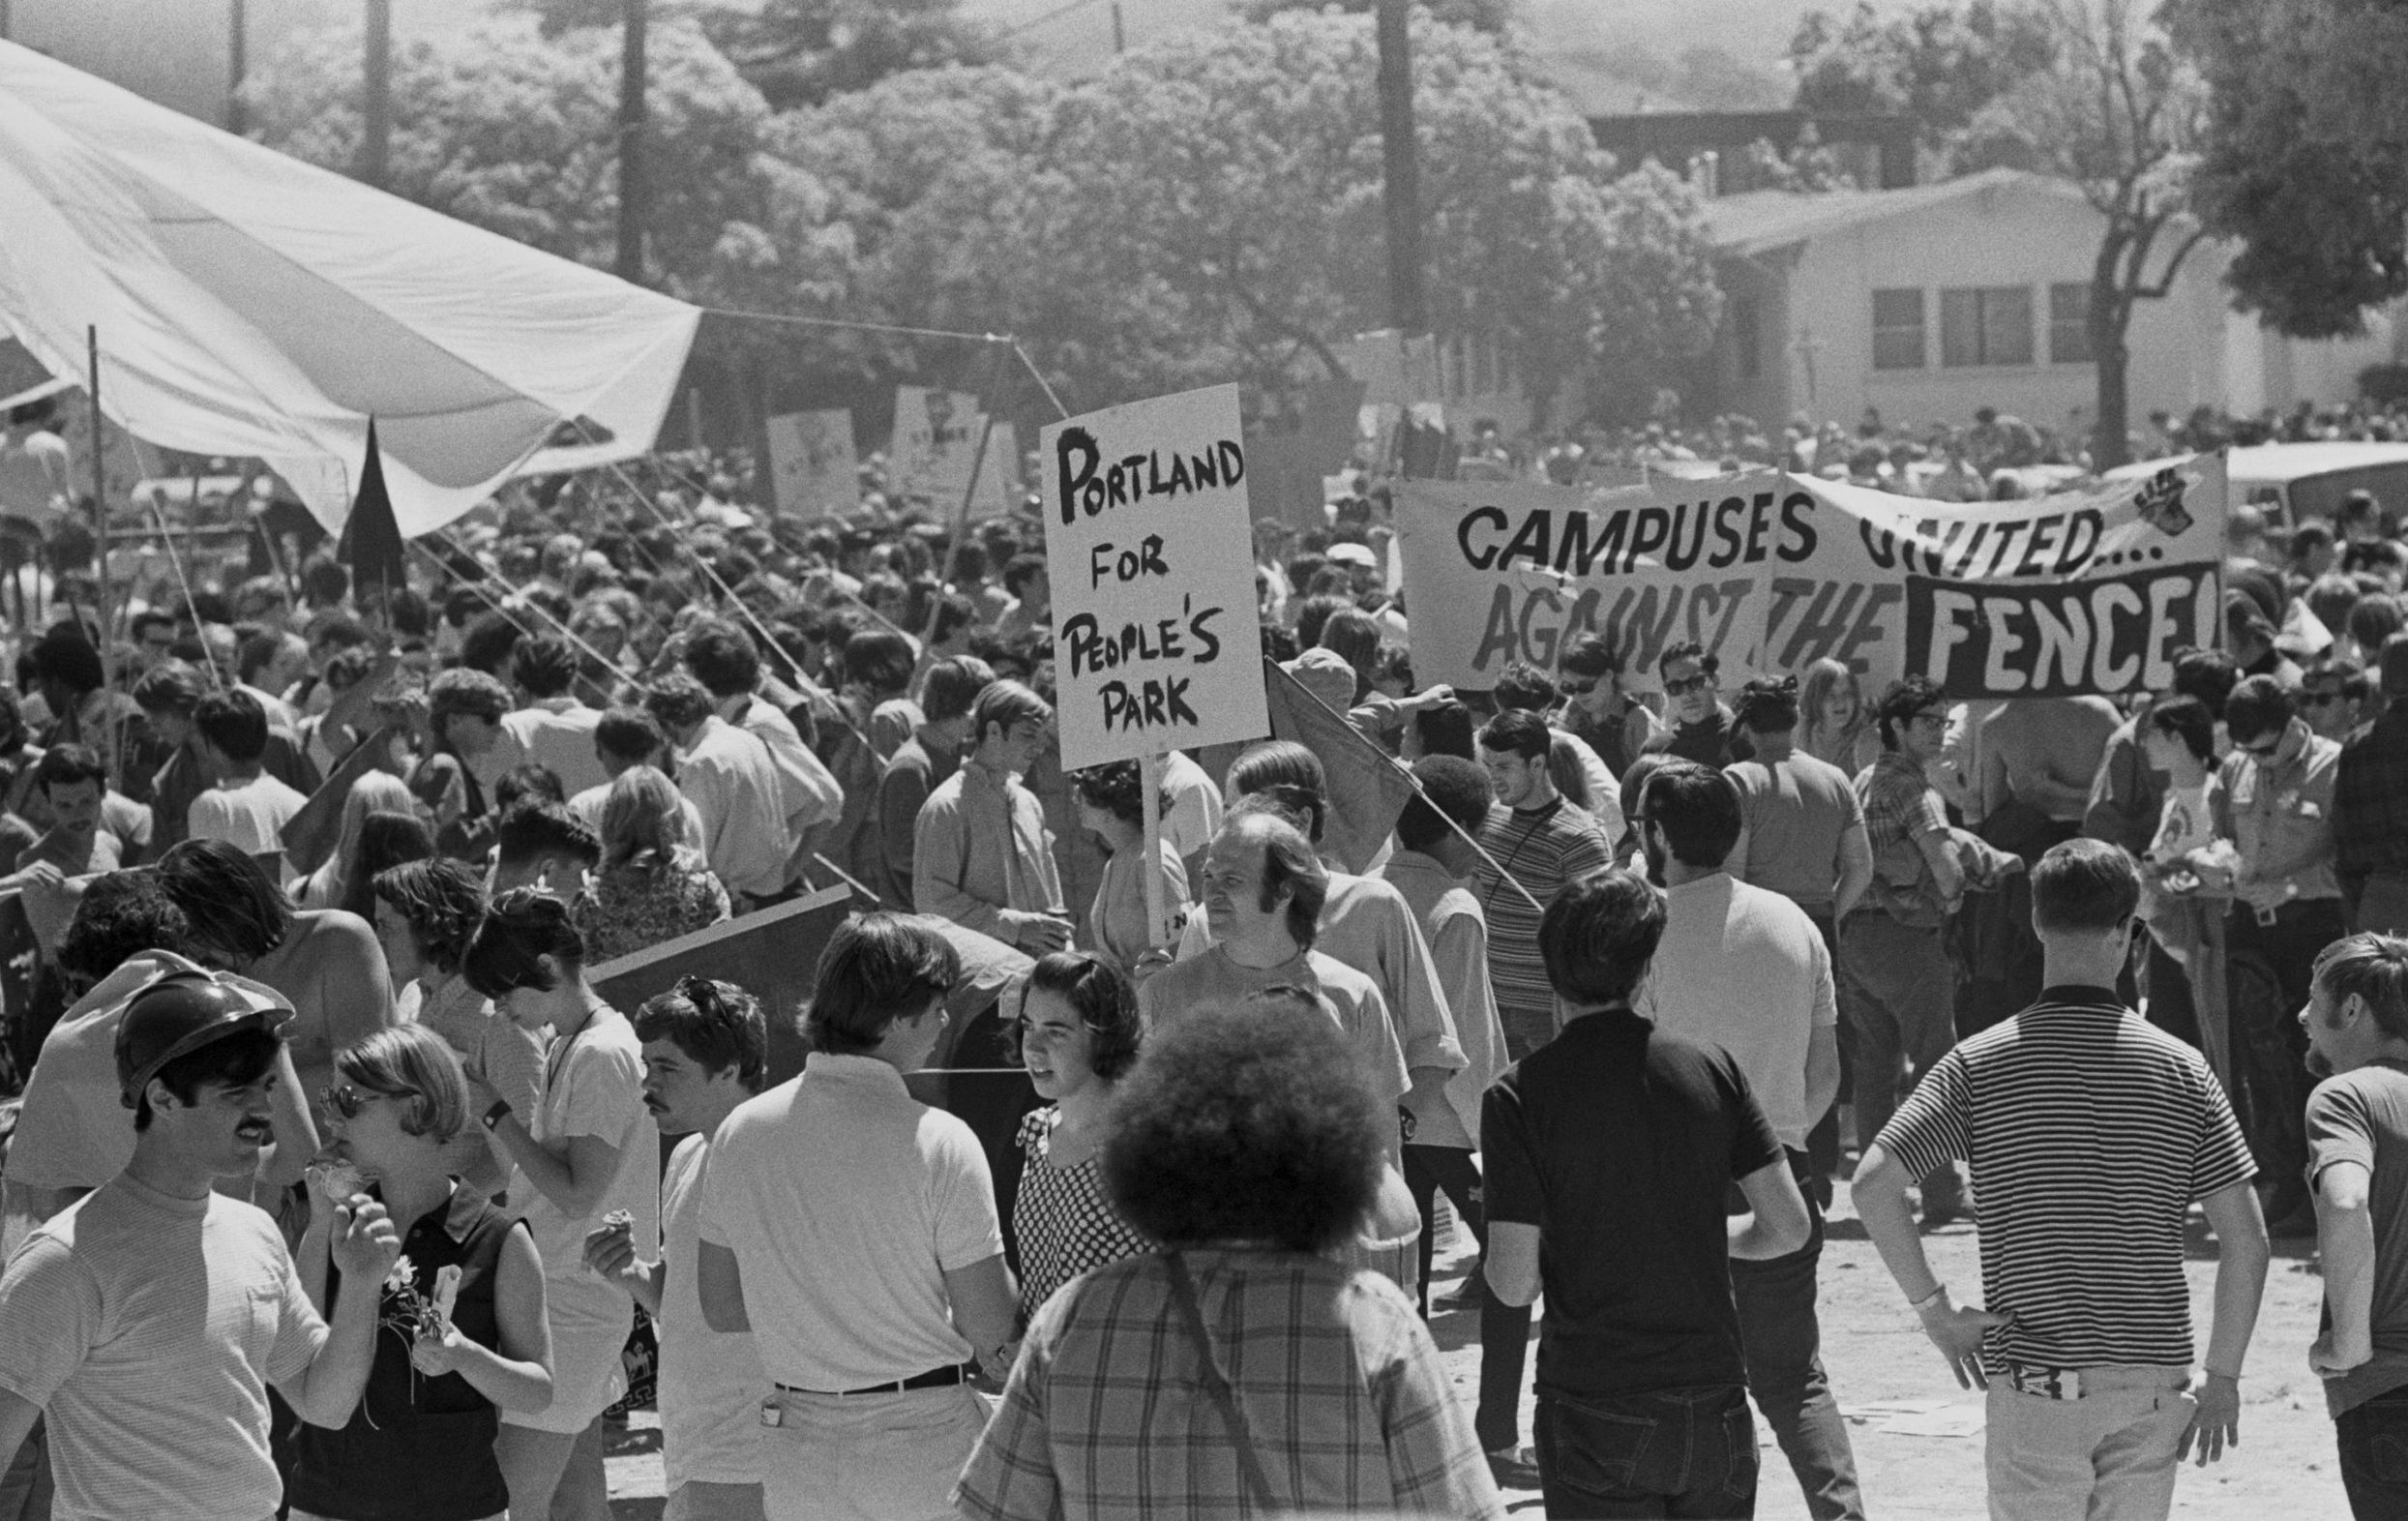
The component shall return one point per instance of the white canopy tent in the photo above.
(248, 304)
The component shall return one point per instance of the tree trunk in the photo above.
(2111, 438)
(2109, 321)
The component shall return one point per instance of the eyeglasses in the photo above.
(1701, 682)
(347, 1101)
(1929, 721)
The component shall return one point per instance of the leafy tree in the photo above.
(1938, 64)
(513, 132)
(1485, 15)
(804, 53)
(2120, 114)
(1223, 191)
(2304, 159)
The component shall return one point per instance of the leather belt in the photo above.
(932, 1379)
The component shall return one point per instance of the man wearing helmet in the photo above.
(150, 1318)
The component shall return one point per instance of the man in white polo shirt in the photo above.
(1744, 969)
(853, 1231)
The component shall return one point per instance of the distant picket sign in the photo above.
(2087, 591)
(814, 471)
(1149, 534)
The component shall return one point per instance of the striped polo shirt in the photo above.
(2090, 1133)
(1542, 849)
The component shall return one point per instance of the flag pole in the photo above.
(115, 732)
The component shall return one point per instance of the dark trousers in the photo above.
(1670, 1452)
(25, 1485)
(1504, 1330)
(1823, 1137)
(2171, 1007)
(1784, 1342)
(2270, 1049)
(2374, 1458)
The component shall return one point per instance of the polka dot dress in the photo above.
(1064, 1223)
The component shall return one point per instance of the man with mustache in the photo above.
(148, 1320)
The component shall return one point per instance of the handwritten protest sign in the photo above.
(812, 466)
(2080, 592)
(936, 446)
(1147, 528)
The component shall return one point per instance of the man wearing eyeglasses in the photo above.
(2335, 698)
(1897, 984)
(2276, 808)
(1700, 725)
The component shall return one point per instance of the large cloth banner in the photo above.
(1146, 525)
(2081, 592)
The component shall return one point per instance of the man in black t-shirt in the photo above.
(1609, 1154)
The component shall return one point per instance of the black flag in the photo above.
(372, 540)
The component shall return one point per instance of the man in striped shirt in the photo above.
(2090, 1133)
(1542, 841)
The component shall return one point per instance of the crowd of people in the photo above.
(338, 1183)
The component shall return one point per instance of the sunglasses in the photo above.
(2319, 699)
(1682, 688)
(1575, 689)
(347, 1101)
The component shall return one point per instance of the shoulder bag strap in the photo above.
(1183, 1289)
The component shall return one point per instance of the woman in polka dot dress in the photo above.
(1079, 1033)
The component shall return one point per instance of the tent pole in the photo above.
(115, 732)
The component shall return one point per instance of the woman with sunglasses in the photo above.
(421, 1444)
(588, 1151)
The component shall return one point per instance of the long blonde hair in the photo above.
(1823, 677)
(374, 793)
(644, 820)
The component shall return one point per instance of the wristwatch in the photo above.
(493, 1115)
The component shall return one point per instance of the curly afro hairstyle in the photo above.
(1246, 1122)
(1118, 787)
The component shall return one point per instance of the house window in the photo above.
(2070, 324)
(1985, 325)
(1897, 330)
(1748, 335)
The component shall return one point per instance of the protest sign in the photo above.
(1149, 534)
(811, 465)
(2088, 591)
(936, 447)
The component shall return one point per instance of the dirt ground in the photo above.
(1876, 1352)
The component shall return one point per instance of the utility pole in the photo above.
(1119, 36)
(376, 104)
(1401, 162)
(237, 62)
(633, 197)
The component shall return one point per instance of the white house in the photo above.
(1928, 302)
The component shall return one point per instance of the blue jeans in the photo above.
(1784, 1344)
(1687, 1452)
(2374, 1457)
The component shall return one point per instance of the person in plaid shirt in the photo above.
(1896, 982)
(1238, 1370)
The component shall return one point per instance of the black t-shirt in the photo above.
(1620, 1145)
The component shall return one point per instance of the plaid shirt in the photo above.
(1341, 1387)
(2370, 798)
(1901, 807)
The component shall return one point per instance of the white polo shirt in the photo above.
(846, 1202)
(1746, 970)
